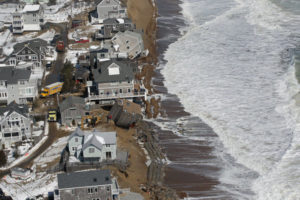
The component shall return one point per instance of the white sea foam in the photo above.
(229, 70)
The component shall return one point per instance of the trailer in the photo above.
(51, 89)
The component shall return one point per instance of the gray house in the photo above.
(109, 9)
(32, 51)
(96, 184)
(113, 25)
(113, 79)
(128, 44)
(28, 18)
(93, 146)
(17, 85)
(15, 123)
(72, 108)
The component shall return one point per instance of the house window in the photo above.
(76, 139)
(108, 188)
(107, 145)
(121, 90)
(128, 90)
(22, 82)
(74, 148)
(102, 55)
(91, 150)
(108, 155)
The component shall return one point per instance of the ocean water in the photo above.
(235, 68)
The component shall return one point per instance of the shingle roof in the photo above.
(70, 102)
(97, 2)
(77, 132)
(115, 21)
(13, 75)
(101, 74)
(31, 8)
(14, 107)
(84, 179)
(97, 139)
(34, 44)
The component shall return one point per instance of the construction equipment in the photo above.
(60, 46)
(52, 89)
(92, 119)
(52, 116)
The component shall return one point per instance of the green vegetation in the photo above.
(67, 76)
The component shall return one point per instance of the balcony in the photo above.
(109, 96)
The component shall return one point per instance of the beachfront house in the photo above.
(30, 53)
(113, 79)
(27, 18)
(128, 44)
(111, 26)
(15, 123)
(17, 85)
(72, 109)
(93, 146)
(107, 9)
(94, 184)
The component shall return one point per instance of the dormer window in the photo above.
(113, 69)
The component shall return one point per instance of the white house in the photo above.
(15, 123)
(31, 52)
(128, 44)
(93, 146)
(108, 9)
(28, 18)
(17, 85)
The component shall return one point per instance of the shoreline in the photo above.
(144, 15)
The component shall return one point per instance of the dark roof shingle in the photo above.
(84, 179)
(101, 73)
(13, 75)
(34, 44)
(70, 102)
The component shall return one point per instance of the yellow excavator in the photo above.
(93, 119)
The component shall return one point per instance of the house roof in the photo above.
(81, 72)
(116, 21)
(31, 8)
(14, 107)
(101, 73)
(34, 45)
(98, 139)
(13, 75)
(84, 179)
(70, 102)
(77, 132)
(98, 1)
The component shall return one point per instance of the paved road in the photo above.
(59, 63)
(25, 163)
